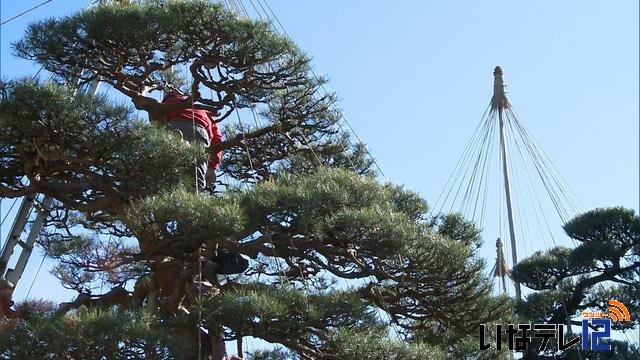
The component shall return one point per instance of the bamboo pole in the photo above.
(499, 103)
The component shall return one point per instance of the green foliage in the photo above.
(332, 211)
(329, 193)
(605, 265)
(458, 345)
(457, 228)
(376, 345)
(242, 63)
(179, 221)
(285, 315)
(620, 350)
(85, 261)
(117, 181)
(87, 334)
(337, 152)
(136, 40)
(610, 225)
(544, 270)
(357, 345)
(68, 143)
(275, 354)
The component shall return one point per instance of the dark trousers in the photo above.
(193, 133)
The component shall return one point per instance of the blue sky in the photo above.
(415, 77)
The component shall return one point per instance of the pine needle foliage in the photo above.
(604, 265)
(341, 266)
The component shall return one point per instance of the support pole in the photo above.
(499, 266)
(499, 103)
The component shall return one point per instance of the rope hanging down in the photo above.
(195, 169)
(241, 11)
(341, 117)
(270, 16)
(530, 172)
(25, 12)
(466, 188)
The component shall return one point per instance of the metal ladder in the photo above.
(25, 247)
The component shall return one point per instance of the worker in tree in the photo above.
(196, 125)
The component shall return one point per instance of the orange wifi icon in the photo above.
(618, 312)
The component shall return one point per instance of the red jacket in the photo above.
(200, 117)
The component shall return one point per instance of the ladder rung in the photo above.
(24, 245)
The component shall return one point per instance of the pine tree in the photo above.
(333, 252)
(604, 265)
